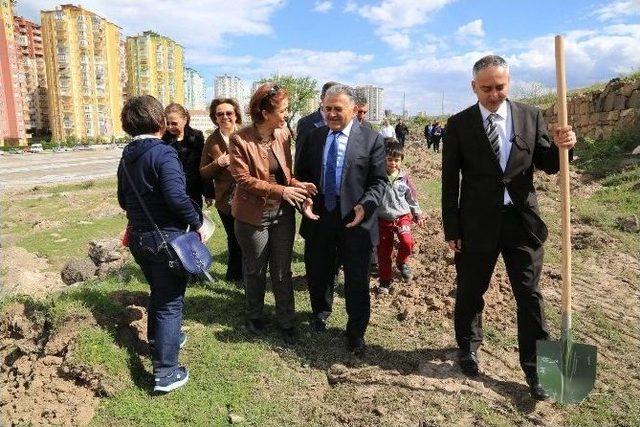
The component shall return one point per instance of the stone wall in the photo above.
(598, 114)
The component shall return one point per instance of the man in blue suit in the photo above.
(346, 162)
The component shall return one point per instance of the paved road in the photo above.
(25, 170)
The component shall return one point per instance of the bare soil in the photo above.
(28, 274)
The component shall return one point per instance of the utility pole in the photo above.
(442, 105)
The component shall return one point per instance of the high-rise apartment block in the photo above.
(375, 96)
(33, 76)
(12, 129)
(84, 73)
(227, 86)
(194, 90)
(155, 66)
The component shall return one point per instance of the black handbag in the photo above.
(186, 254)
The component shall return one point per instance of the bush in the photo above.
(603, 157)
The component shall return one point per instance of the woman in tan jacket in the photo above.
(214, 165)
(262, 206)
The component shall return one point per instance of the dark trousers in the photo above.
(234, 253)
(270, 244)
(436, 145)
(165, 301)
(331, 244)
(523, 261)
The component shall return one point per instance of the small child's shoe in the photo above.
(405, 271)
(383, 288)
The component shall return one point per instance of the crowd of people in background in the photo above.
(355, 199)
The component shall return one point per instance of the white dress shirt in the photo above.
(504, 126)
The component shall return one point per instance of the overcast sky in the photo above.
(423, 48)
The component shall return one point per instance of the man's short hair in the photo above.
(340, 89)
(142, 115)
(489, 61)
(325, 88)
(361, 99)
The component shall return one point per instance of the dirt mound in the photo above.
(40, 384)
(28, 274)
(40, 380)
(432, 288)
(423, 164)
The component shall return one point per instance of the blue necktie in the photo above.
(330, 187)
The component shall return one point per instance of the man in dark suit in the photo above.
(401, 131)
(494, 147)
(362, 104)
(346, 162)
(312, 121)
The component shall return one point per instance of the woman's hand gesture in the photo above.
(294, 195)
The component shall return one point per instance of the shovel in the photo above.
(566, 369)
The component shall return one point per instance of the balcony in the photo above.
(83, 43)
(63, 60)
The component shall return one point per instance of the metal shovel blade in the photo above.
(566, 369)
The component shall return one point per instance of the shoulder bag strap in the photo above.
(142, 203)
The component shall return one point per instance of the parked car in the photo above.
(36, 148)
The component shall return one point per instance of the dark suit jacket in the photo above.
(471, 208)
(366, 124)
(305, 125)
(364, 176)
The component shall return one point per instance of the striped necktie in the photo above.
(492, 134)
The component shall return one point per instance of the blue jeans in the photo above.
(166, 300)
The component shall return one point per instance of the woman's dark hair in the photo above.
(266, 97)
(230, 101)
(177, 108)
(141, 115)
(393, 148)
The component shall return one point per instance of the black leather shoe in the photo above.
(536, 390)
(468, 362)
(255, 326)
(357, 346)
(318, 325)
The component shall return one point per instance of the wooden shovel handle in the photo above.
(564, 185)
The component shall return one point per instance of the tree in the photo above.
(302, 91)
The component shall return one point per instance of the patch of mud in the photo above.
(39, 383)
(25, 273)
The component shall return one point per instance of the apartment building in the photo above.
(84, 73)
(32, 76)
(12, 129)
(194, 90)
(155, 66)
(375, 96)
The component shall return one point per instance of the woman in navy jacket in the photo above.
(156, 173)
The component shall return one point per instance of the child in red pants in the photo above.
(398, 209)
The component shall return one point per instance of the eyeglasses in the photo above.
(274, 89)
(225, 113)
